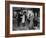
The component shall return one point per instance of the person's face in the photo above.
(35, 14)
(30, 14)
(15, 13)
(24, 11)
(20, 12)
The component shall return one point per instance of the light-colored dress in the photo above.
(23, 18)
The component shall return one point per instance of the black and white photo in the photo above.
(26, 18)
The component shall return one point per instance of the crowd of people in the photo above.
(25, 20)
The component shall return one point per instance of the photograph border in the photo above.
(7, 18)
